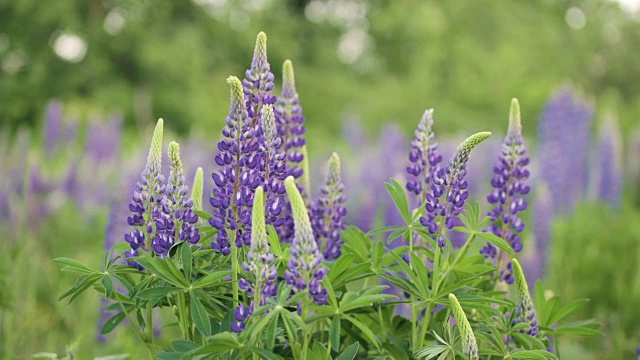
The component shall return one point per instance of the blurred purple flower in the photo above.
(52, 125)
(607, 176)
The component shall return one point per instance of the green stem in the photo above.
(305, 311)
(134, 325)
(184, 319)
(234, 268)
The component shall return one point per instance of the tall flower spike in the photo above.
(509, 189)
(275, 171)
(327, 211)
(469, 345)
(304, 270)
(446, 198)
(607, 175)
(424, 158)
(238, 159)
(175, 219)
(258, 84)
(197, 190)
(260, 264)
(306, 177)
(291, 122)
(146, 198)
(525, 313)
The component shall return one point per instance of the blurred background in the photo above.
(83, 82)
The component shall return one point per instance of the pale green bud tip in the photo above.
(197, 189)
(237, 93)
(269, 122)
(297, 204)
(333, 177)
(515, 125)
(469, 345)
(174, 155)
(288, 80)
(259, 60)
(521, 281)
(155, 150)
(258, 227)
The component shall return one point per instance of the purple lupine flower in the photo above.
(607, 177)
(424, 157)
(260, 264)
(238, 177)
(258, 82)
(448, 192)
(52, 125)
(509, 189)
(304, 271)
(146, 198)
(327, 211)
(275, 171)
(175, 220)
(103, 139)
(290, 121)
(564, 133)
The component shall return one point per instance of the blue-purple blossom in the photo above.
(564, 133)
(239, 160)
(607, 176)
(509, 189)
(146, 198)
(448, 192)
(290, 121)
(304, 267)
(327, 211)
(258, 82)
(259, 263)
(275, 171)
(424, 158)
(174, 218)
(52, 125)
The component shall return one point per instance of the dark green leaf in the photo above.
(156, 293)
(349, 353)
(112, 322)
(199, 315)
(334, 333)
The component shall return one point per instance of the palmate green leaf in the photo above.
(274, 241)
(212, 279)
(112, 322)
(334, 333)
(399, 197)
(365, 330)
(355, 272)
(81, 286)
(272, 330)
(264, 354)
(203, 214)
(563, 312)
(356, 242)
(350, 352)
(199, 315)
(187, 258)
(183, 346)
(218, 345)
(155, 293)
(169, 355)
(74, 266)
(432, 352)
(107, 283)
(532, 354)
(496, 241)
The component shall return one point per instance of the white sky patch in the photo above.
(575, 18)
(352, 45)
(632, 6)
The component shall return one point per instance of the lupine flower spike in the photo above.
(327, 211)
(197, 189)
(607, 175)
(446, 199)
(275, 170)
(469, 345)
(304, 270)
(509, 189)
(258, 84)
(260, 264)
(291, 121)
(148, 193)
(424, 158)
(238, 175)
(175, 219)
(525, 313)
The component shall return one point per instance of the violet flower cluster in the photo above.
(424, 158)
(258, 84)
(446, 199)
(146, 199)
(260, 264)
(304, 271)
(238, 176)
(327, 212)
(509, 190)
(275, 169)
(174, 217)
